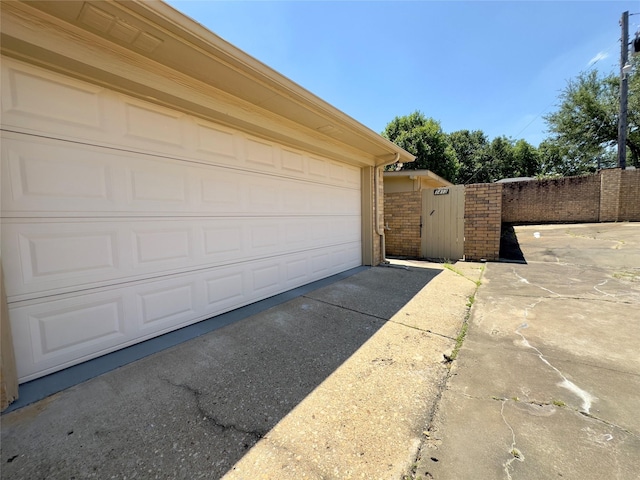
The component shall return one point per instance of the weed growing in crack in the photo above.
(459, 340)
(465, 323)
(470, 301)
(449, 266)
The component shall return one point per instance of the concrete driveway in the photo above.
(547, 384)
(336, 383)
(353, 380)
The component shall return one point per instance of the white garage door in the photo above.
(122, 220)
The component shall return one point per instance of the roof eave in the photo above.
(186, 46)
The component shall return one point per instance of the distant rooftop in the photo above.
(418, 174)
(515, 179)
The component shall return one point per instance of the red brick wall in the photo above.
(402, 215)
(482, 221)
(568, 199)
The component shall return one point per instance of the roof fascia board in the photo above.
(419, 174)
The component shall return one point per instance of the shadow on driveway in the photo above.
(195, 409)
(510, 250)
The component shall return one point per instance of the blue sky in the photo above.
(494, 66)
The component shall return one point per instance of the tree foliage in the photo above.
(583, 136)
(585, 126)
(472, 152)
(424, 138)
(482, 161)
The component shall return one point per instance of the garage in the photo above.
(137, 201)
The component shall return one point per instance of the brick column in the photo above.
(629, 196)
(482, 221)
(610, 180)
(402, 211)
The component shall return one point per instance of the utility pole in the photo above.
(624, 91)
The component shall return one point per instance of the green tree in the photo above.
(554, 160)
(502, 160)
(585, 126)
(526, 160)
(424, 138)
(472, 152)
(482, 161)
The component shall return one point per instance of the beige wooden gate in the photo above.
(443, 223)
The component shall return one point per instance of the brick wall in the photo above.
(402, 213)
(482, 221)
(629, 196)
(609, 194)
(568, 199)
(620, 195)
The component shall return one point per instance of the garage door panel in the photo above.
(166, 303)
(58, 256)
(220, 191)
(296, 269)
(76, 327)
(43, 175)
(260, 155)
(211, 140)
(64, 330)
(293, 162)
(115, 120)
(153, 124)
(123, 220)
(163, 245)
(53, 99)
(156, 186)
(225, 287)
(54, 176)
(59, 330)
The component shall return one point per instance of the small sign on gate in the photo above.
(441, 191)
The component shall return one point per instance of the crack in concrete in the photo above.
(557, 404)
(513, 451)
(347, 308)
(389, 320)
(610, 424)
(574, 297)
(618, 295)
(425, 330)
(570, 361)
(524, 280)
(586, 397)
(595, 287)
(257, 434)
